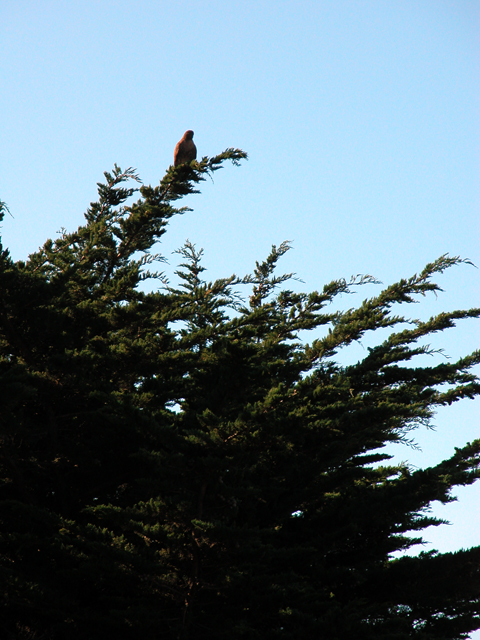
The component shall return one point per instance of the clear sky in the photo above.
(360, 118)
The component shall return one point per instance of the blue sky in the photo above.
(360, 118)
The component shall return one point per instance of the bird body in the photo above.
(185, 151)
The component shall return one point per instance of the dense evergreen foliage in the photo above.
(180, 464)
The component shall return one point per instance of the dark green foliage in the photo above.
(179, 464)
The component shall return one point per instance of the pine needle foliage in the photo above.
(194, 462)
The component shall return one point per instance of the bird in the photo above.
(185, 151)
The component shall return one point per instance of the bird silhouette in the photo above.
(185, 151)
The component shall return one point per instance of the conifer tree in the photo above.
(188, 463)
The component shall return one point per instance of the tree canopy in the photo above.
(194, 461)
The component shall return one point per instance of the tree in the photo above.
(183, 464)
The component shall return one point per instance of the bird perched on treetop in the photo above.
(185, 151)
